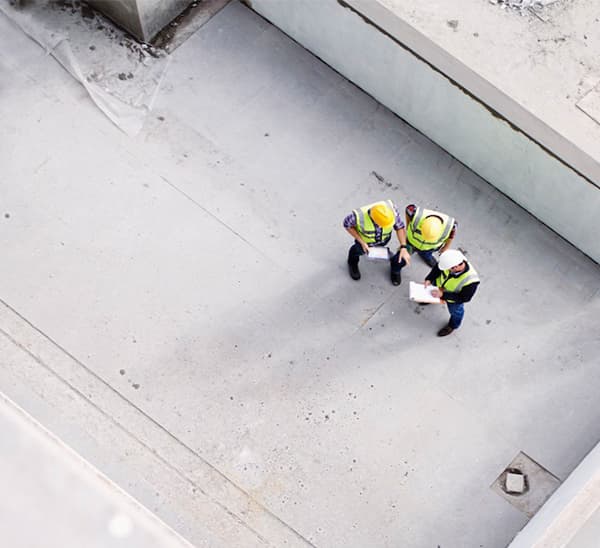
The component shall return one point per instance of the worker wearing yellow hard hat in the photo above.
(428, 231)
(372, 226)
(456, 281)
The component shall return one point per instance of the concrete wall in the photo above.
(143, 18)
(124, 13)
(156, 14)
(535, 166)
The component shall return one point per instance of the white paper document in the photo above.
(379, 253)
(422, 294)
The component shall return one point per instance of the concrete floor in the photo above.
(176, 306)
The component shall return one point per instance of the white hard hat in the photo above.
(450, 258)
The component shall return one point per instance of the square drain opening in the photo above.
(525, 484)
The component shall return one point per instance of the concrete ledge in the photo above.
(474, 121)
(69, 501)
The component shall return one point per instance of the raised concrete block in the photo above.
(143, 18)
(515, 483)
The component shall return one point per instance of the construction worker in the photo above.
(371, 226)
(456, 281)
(428, 231)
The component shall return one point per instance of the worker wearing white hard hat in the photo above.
(456, 282)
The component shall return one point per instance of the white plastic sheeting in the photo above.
(120, 74)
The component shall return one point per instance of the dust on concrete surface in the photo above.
(166, 37)
(523, 5)
(383, 182)
(121, 74)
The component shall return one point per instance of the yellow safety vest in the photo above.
(413, 230)
(454, 284)
(366, 227)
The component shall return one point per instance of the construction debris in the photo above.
(121, 74)
(523, 6)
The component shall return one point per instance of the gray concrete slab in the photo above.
(49, 492)
(190, 286)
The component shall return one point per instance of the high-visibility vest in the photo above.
(413, 230)
(366, 227)
(455, 283)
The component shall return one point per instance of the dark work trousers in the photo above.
(356, 251)
(457, 311)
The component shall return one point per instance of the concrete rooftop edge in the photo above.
(480, 64)
(470, 79)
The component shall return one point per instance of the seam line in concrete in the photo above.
(368, 318)
(127, 431)
(152, 421)
(213, 216)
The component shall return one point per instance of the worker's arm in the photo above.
(433, 274)
(446, 245)
(439, 293)
(404, 254)
(354, 233)
(350, 225)
(430, 279)
(409, 213)
(464, 295)
(448, 242)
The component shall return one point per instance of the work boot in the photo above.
(396, 278)
(446, 330)
(354, 272)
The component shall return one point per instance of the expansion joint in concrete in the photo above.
(179, 471)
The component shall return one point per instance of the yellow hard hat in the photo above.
(383, 215)
(431, 229)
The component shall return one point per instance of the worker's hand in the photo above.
(437, 292)
(364, 246)
(404, 254)
(426, 283)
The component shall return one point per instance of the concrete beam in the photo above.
(143, 18)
